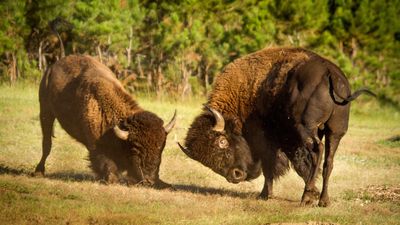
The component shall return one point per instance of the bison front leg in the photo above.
(266, 192)
(273, 167)
(268, 171)
(105, 169)
(135, 172)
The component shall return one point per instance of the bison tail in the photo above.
(359, 92)
(344, 100)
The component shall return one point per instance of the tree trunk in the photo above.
(139, 64)
(129, 49)
(185, 81)
(203, 74)
(206, 78)
(149, 81)
(160, 79)
(341, 46)
(40, 56)
(62, 54)
(44, 61)
(353, 50)
(13, 69)
(98, 49)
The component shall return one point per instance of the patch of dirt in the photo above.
(379, 193)
(305, 223)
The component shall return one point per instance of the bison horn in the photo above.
(171, 123)
(122, 134)
(185, 150)
(220, 122)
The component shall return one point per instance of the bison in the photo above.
(271, 107)
(92, 106)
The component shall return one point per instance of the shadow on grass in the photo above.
(64, 175)
(82, 176)
(7, 170)
(71, 176)
(213, 191)
(221, 192)
(392, 142)
(395, 138)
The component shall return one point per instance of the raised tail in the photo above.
(344, 100)
(358, 93)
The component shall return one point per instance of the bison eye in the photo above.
(222, 142)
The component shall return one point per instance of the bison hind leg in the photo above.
(105, 169)
(46, 123)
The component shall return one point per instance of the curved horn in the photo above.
(185, 150)
(220, 122)
(171, 123)
(121, 133)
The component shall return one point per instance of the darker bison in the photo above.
(93, 107)
(269, 108)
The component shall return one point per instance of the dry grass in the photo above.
(364, 186)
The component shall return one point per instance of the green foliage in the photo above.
(101, 23)
(12, 26)
(166, 41)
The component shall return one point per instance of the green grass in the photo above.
(364, 188)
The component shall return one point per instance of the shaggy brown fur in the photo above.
(88, 101)
(277, 104)
(236, 89)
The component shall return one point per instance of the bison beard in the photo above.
(92, 106)
(274, 106)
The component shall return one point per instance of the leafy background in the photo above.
(176, 48)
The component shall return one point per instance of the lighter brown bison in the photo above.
(270, 106)
(93, 107)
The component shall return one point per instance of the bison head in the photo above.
(143, 136)
(212, 141)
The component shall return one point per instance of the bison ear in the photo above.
(219, 120)
(122, 134)
(171, 123)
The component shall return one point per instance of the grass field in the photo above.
(364, 188)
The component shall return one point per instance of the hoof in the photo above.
(264, 196)
(102, 181)
(308, 202)
(112, 179)
(37, 173)
(309, 198)
(324, 203)
(162, 185)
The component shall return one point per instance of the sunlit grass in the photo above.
(69, 194)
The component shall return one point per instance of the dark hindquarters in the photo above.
(310, 106)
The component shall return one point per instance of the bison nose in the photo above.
(238, 175)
